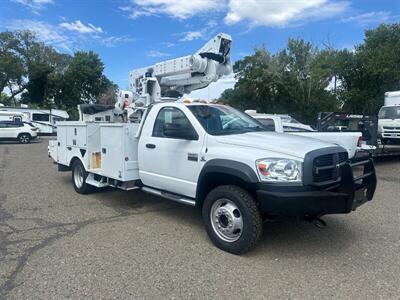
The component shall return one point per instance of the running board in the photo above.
(170, 196)
(104, 181)
(99, 184)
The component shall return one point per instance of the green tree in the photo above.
(12, 68)
(372, 69)
(282, 83)
(46, 78)
(82, 81)
(5, 100)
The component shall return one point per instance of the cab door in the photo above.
(170, 151)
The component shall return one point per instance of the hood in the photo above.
(284, 143)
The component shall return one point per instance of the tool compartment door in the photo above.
(112, 150)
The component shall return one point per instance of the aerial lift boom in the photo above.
(169, 80)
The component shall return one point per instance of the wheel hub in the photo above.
(78, 177)
(226, 220)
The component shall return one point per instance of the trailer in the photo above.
(13, 116)
(44, 119)
(365, 123)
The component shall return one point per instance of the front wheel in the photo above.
(79, 176)
(232, 219)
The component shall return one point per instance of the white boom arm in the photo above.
(172, 78)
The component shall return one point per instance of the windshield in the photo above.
(390, 112)
(222, 120)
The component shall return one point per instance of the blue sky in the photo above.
(128, 34)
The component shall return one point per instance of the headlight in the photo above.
(279, 169)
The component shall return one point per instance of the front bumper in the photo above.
(339, 198)
(390, 134)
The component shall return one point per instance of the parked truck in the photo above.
(351, 141)
(367, 124)
(389, 118)
(210, 156)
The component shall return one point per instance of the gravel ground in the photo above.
(55, 243)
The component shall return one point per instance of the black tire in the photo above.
(24, 138)
(248, 211)
(80, 185)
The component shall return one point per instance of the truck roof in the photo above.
(392, 94)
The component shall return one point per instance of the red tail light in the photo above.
(360, 141)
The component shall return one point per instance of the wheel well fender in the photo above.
(218, 172)
(21, 133)
(75, 158)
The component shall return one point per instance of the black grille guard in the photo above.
(359, 189)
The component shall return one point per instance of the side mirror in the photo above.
(176, 131)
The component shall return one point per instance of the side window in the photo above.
(269, 124)
(17, 119)
(41, 117)
(170, 115)
(12, 125)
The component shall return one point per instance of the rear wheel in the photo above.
(79, 176)
(232, 219)
(24, 138)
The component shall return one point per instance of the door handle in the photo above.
(150, 146)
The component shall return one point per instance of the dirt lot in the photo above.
(55, 243)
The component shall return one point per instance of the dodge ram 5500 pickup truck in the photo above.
(220, 160)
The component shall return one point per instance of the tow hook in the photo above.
(318, 222)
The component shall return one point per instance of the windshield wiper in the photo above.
(238, 131)
(256, 128)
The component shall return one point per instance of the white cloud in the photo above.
(112, 41)
(156, 53)
(80, 27)
(168, 44)
(192, 35)
(180, 9)
(282, 13)
(374, 17)
(204, 33)
(254, 12)
(63, 38)
(34, 5)
(45, 32)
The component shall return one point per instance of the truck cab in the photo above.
(389, 124)
(389, 118)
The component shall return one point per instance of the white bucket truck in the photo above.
(210, 156)
(389, 118)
